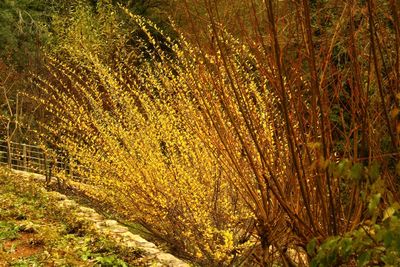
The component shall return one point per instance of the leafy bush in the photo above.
(373, 243)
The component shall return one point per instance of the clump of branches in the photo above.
(243, 148)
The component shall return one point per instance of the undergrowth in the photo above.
(35, 232)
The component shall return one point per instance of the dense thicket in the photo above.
(243, 133)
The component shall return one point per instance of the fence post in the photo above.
(24, 156)
(9, 158)
(46, 169)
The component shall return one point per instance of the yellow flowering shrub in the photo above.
(208, 147)
(146, 144)
(237, 147)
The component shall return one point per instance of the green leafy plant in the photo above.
(110, 261)
(371, 244)
(8, 230)
(376, 239)
(28, 262)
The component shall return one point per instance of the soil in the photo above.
(26, 245)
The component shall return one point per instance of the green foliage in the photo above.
(23, 30)
(27, 262)
(376, 241)
(370, 244)
(8, 230)
(83, 30)
(355, 173)
(110, 261)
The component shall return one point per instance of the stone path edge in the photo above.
(110, 228)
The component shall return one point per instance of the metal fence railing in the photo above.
(32, 158)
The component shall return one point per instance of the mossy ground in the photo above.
(33, 232)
